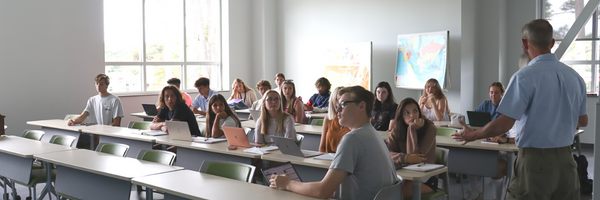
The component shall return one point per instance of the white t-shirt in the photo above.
(102, 110)
(229, 122)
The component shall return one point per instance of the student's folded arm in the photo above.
(157, 123)
(324, 135)
(397, 156)
(299, 112)
(428, 140)
(322, 189)
(440, 109)
(79, 119)
(116, 121)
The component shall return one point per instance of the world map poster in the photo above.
(421, 57)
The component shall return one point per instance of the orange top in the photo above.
(334, 135)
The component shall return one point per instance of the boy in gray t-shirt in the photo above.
(362, 164)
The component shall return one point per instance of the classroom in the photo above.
(52, 50)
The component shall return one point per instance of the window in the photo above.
(582, 55)
(147, 42)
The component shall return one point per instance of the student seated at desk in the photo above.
(199, 104)
(292, 104)
(243, 92)
(434, 103)
(220, 114)
(332, 130)
(318, 102)
(362, 164)
(176, 82)
(385, 108)
(413, 141)
(173, 108)
(273, 120)
(262, 86)
(279, 78)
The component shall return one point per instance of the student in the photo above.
(103, 108)
(413, 141)
(199, 104)
(273, 120)
(172, 107)
(434, 103)
(177, 83)
(243, 92)
(279, 78)
(262, 86)
(292, 104)
(490, 105)
(220, 114)
(319, 101)
(332, 130)
(384, 110)
(362, 164)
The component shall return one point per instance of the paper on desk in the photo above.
(149, 132)
(486, 142)
(327, 156)
(269, 148)
(423, 168)
(208, 140)
(260, 151)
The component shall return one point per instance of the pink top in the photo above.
(293, 113)
(188, 98)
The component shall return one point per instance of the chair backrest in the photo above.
(157, 156)
(33, 134)
(202, 127)
(139, 125)
(299, 139)
(441, 157)
(446, 131)
(232, 170)
(390, 192)
(249, 133)
(316, 122)
(71, 116)
(113, 148)
(64, 140)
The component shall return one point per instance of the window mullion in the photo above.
(144, 46)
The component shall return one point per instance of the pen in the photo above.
(206, 139)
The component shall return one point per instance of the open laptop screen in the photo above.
(285, 168)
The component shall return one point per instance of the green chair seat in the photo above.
(139, 125)
(446, 131)
(232, 170)
(113, 148)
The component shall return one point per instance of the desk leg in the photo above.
(91, 141)
(48, 188)
(416, 189)
(510, 160)
(149, 194)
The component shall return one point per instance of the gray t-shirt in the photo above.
(363, 154)
(102, 110)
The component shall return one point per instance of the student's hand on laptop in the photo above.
(415, 158)
(466, 135)
(279, 181)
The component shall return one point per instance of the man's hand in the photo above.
(466, 135)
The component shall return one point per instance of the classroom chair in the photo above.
(232, 170)
(71, 116)
(33, 134)
(441, 157)
(316, 122)
(299, 139)
(113, 148)
(38, 175)
(139, 125)
(446, 131)
(390, 192)
(202, 127)
(157, 156)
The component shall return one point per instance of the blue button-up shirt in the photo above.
(546, 98)
(200, 102)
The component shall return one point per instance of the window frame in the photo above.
(182, 64)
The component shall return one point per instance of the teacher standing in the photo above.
(546, 100)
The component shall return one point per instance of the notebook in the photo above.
(479, 119)
(285, 168)
(423, 167)
(288, 146)
(150, 109)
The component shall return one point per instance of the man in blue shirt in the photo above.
(201, 101)
(546, 101)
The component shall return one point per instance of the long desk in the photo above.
(449, 125)
(85, 174)
(57, 127)
(190, 155)
(122, 135)
(187, 184)
(243, 114)
(16, 155)
(312, 134)
(149, 118)
(310, 169)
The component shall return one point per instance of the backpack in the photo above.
(586, 184)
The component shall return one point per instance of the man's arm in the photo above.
(496, 127)
(583, 121)
(323, 189)
(78, 119)
(196, 111)
(116, 121)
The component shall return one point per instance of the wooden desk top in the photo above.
(308, 129)
(247, 111)
(219, 147)
(316, 115)
(57, 124)
(449, 142)
(196, 185)
(119, 132)
(26, 148)
(200, 118)
(105, 164)
(406, 174)
(449, 124)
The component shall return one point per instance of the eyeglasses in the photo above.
(342, 105)
(271, 100)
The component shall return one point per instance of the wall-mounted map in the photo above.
(420, 57)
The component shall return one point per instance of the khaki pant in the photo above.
(544, 174)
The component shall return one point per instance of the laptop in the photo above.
(181, 131)
(237, 137)
(150, 109)
(288, 146)
(255, 114)
(285, 168)
(479, 119)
